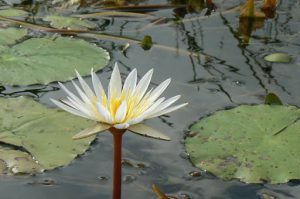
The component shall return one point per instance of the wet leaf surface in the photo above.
(249, 143)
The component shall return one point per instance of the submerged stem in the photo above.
(117, 181)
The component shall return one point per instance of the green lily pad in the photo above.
(13, 13)
(44, 60)
(9, 36)
(44, 134)
(252, 143)
(69, 22)
(279, 57)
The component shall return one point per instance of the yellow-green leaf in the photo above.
(45, 134)
(252, 143)
(279, 58)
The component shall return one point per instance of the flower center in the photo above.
(114, 106)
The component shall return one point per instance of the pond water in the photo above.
(211, 65)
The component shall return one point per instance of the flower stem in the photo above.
(117, 181)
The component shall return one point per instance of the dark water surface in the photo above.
(221, 72)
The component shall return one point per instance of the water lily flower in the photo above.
(123, 107)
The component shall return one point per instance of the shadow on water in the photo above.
(211, 67)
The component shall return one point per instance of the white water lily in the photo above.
(123, 107)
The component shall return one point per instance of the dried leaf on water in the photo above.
(269, 8)
(158, 192)
(248, 10)
(247, 26)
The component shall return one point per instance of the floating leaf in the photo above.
(13, 13)
(273, 99)
(69, 22)
(44, 133)
(252, 143)
(9, 36)
(279, 57)
(146, 43)
(44, 60)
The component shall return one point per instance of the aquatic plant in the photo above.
(123, 107)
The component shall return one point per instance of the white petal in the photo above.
(130, 82)
(105, 114)
(121, 112)
(69, 109)
(85, 86)
(135, 120)
(146, 96)
(165, 111)
(82, 108)
(77, 103)
(81, 93)
(163, 105)
(98, 88)
(153, 107)
(121, 126)
(159, 89)
(148, 93)
(143, 84)
(115, 84)
(69, 92)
